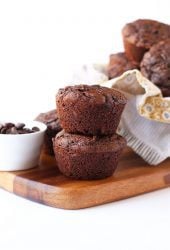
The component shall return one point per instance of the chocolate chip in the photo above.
(27, 130)
(9, 125)
(19, 128)
(13, 131)
(21, 131)
(3, 130)
(35, 129)
(20, 125)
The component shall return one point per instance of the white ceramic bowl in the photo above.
(19, 152)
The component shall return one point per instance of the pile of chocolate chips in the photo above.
(19, 128)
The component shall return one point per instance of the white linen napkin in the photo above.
(145, 122)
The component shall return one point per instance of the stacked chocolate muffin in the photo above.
(88, 147)
(147, 48)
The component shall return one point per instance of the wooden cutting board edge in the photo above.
(79, 198)
(93, 194)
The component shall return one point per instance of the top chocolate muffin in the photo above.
(141, 35)
(91, 110)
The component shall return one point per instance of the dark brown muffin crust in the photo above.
(156, 64)
(87, 157)
(165, 91)
(53, 127)
(119, 63)
(141, 35)
(92, 110)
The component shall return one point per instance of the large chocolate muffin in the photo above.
(141, 35)
(87, 157)
(118, 64)
(53, 127)
(156, 65)
(90, 110)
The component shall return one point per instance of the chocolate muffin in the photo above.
(119, 63)
(87, 157)
(90, 110)
(156, 65)
(53, 127)
(165, 91)
(141, 35)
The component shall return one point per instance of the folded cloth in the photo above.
(145, 120)
(149, 139)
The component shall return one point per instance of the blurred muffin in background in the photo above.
(118, 64)
(139, 36)
(53, 127)
(156, 66)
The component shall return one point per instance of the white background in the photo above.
(41, 44)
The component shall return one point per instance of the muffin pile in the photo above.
(88, 146)
(146, 44)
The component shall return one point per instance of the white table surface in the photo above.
(41, 44)
(136, 223)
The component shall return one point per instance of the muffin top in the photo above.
(145, 32)
(91, 94)
(156, 64)
(86, 143)
(119, 63)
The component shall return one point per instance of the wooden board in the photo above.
(46, 185)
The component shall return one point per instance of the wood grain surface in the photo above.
(45, 184)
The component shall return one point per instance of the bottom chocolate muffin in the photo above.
(87, 157)
(53, 127)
